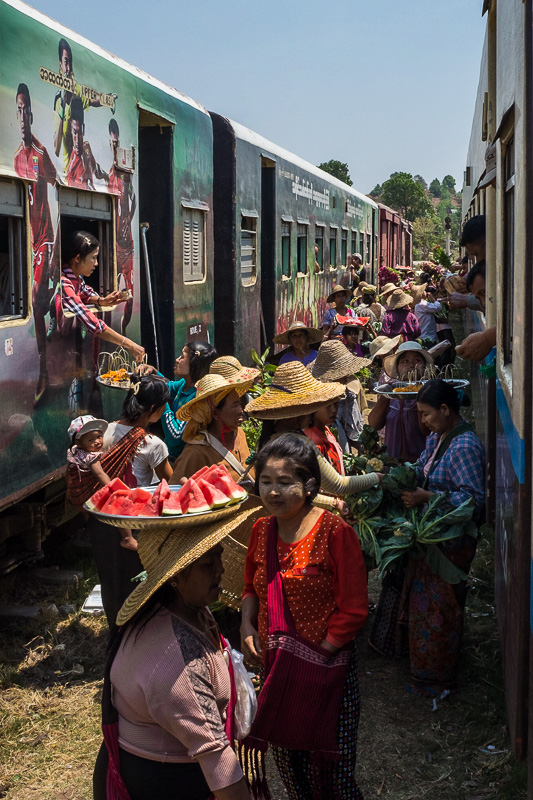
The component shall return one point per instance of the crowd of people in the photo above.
(170, 693)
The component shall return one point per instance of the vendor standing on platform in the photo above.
(80, 261)
(339, 296)
(300, 338)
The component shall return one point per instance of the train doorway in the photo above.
(268, 250)
(156, 208)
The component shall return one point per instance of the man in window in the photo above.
(33, 163)
(82, 167)
(121, 183)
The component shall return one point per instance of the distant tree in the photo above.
(404, 194)
(376, 191)
(428, 232)
(419, 179)
(338, 169)
(449, 182)
(435, 187)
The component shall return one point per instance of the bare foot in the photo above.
(129, 543)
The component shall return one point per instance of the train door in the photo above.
(156, 217)
(268, 250)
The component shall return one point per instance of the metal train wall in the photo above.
(210, 226)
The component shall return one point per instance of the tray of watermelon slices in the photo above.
(210, 494)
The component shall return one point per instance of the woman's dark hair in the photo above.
(474, 230)
(152, 393)
(302, 457)
(80, 243)
(201, 356)
(437, 392)
(477, 269)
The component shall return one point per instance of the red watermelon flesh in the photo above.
(114, 501)
(171, 505)
(201, 473)
(225, 483)
(124, 507)
(99, 498)
(214, 497)
(140, 498)
(191, 498)
(153, 508)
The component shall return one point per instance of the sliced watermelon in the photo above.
(214, 497)
(201, 472)
(191, 498)
(171, 505)
(223, 481)
(140, 498)
(115, 500)
(99, 498)
(153, 508)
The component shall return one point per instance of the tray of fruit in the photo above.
(209, 495)
(117, 378)
(399, 389)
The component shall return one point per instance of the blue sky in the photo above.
(382, 85)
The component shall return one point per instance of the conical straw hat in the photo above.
(334, 361)
(293, 392)
(165, 553)
(399, 299)
(214, 386)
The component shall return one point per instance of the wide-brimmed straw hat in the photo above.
(338, 288)
(292, 393)
(365, 288)
(164, 553)
(417, 292)
(382, 345)
(232, 369)
(399, 299)
(215, 387)
(387, 289)
(313, 334)
(390, 363)
(334, 361)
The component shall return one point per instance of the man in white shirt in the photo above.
(425, 312)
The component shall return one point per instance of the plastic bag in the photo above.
(246, 702)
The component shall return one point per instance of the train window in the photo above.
(92, 212)
(248, 250)
(193, 245)
(508, 248)
(344, 247)
(362, 245)
(286, 249)
(13, 274)
(333, 248)
(301, 249)
(368, 243)
(354, 243)
(319, 243)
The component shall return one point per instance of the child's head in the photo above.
(88, 433)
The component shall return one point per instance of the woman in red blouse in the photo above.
(323, 579)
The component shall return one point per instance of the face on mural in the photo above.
(113, 140)
(24, 118)
(65, 65)
(77, 136)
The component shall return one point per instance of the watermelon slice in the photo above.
(223, 481)
(140, 498)
(214, 497)
(115, 500)
(171, 505)
(191, 498)
(99, 498)
(201, 472)
(153, 508)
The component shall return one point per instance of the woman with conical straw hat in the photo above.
(167, 700)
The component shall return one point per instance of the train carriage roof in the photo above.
(119, 62)
(247, 135)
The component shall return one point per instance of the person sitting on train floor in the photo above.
(191, 365)
(399, 319)
(80, 261)
(287, 405)
(339, 297)
(299, 337)
(369, 307)
(168, 696)
(426, 311)
(213, 433)
(452, 466)
(350, 279)
(335, 363)
(478, 345)
(473, 239)
(405, 434)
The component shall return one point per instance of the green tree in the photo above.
(376, 191)
(338, 169)
(404, 194)
(419, 179)
(435, 187)
(428, 232)
(449, 182)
